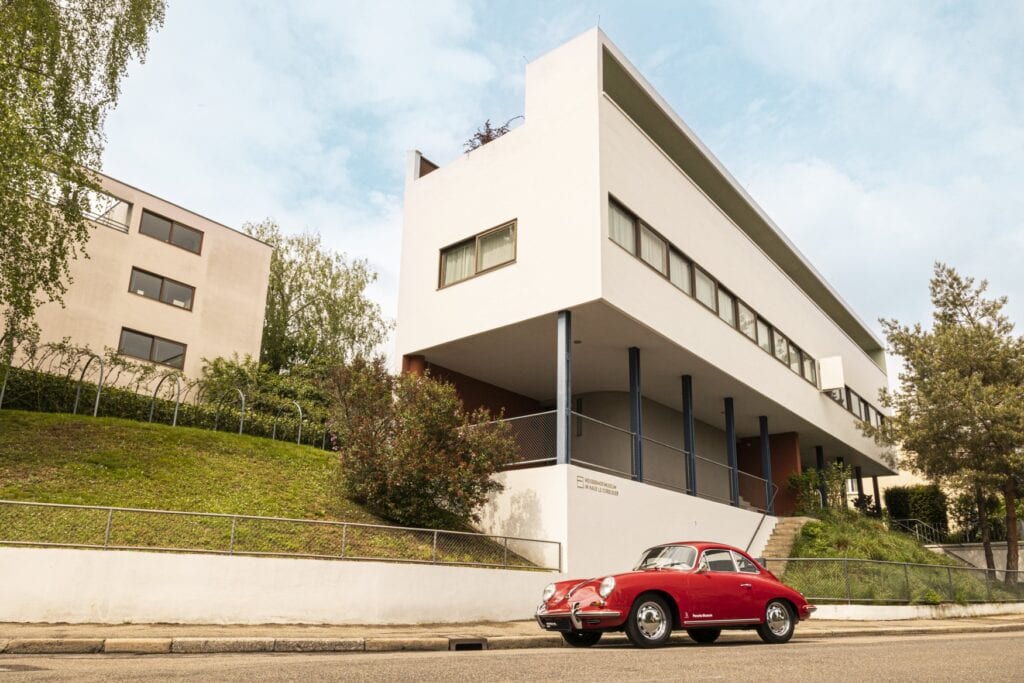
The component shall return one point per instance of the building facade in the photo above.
(161, 284)
(667, 356)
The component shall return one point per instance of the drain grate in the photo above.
(467, 644)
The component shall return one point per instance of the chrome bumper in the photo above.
(575, 615)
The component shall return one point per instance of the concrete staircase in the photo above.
(780, 543)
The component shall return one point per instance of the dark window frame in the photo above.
(160, 295)
(170, 234)
(475, 240)
(152, 345)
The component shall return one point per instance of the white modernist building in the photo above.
(666, 356)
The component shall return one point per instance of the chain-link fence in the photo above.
(852, 581)
(111, 528)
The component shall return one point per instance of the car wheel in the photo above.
(704, 635)
(778, 623)
(581, 638)
(650, 622)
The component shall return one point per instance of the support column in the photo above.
(878, 496)
(859, 476)
(766, 464)
(819, 464)
(563, 390)
(730, 449)
(689, 438)
(636, 418)
(846, 498)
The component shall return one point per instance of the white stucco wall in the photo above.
(899, 612)
(110, 587)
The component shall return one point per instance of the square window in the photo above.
(679, 271)
(764, 335)
(747, 320)
(621, 228)
(135, 344)
(653, 249)
(155, 226)
(705, 288)
(457, 263)
(497, 247)
(725, 307)
(169, 353)
(177, 294)
(187, 238)
(145, 284)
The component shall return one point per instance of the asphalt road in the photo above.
(989, 657)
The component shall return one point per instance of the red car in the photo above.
(698, 586)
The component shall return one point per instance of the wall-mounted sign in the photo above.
(596, 485)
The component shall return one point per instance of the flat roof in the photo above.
(639, 100)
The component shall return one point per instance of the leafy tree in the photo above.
(317, 311)
(61, 63)
(488, 133)
(408, 448)
(959, 412)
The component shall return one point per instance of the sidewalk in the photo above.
(191, 639)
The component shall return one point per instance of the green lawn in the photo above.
(60, 458)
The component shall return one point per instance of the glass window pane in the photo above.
(719, 560)
(135, 344)
(169, 353)
(457, 263)
(764, 335)
(810, 374)
(178, 294)
(747, 320)
(154, 226)
(497, 247)
(705, 287)
(652, 249)
(795, 361)
(725, 309)
(620, 228)
(145, 284)
(679, 271)
(781, 347)
(187, 238)
(744, 565)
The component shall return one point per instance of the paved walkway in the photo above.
(164, 638)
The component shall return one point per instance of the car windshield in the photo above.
(675, 556)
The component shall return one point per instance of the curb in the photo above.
(192, 645)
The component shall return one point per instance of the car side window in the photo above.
(719, 560)
(744, 565)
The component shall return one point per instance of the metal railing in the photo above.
(605, 447)
(922, 531)
(855, 581)
(116, 528)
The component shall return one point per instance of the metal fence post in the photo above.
(434, 553)
(846, 574)
(106, 534)
(952, 590)
(906, 575)
(505, 560)
(234, 524)
(344, 538)
(988, 586)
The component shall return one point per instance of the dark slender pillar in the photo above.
(730, 449)
(859, 477)
(819, 464)
(636, 418)
(846, 498)
(766, 464)
(878, 496)
(689, 438)
(563, 391)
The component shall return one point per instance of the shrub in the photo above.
(925, 502)
(409, 451)
(807, 486)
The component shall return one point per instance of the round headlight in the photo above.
(549, 590)
(607, 586)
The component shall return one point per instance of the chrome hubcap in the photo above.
(650, 620)
(778, 619)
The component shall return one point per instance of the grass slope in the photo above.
(853, 536)
(60, 458)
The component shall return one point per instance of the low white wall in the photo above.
(897, 612)
(975, 553)
(108, 587)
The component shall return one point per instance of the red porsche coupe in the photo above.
(698, 586)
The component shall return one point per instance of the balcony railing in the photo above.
(607, 448)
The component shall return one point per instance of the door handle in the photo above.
(746, 585)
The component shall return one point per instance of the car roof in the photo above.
(703, 545)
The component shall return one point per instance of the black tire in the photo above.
(705, 636)
(581, 638)
(650, 622)
(779, 623)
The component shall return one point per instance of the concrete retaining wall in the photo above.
(109, 587)
(897, 612)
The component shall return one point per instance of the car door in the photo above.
(720, 593)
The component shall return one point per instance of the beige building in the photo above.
(162, 284)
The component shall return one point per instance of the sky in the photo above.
(880, 136)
